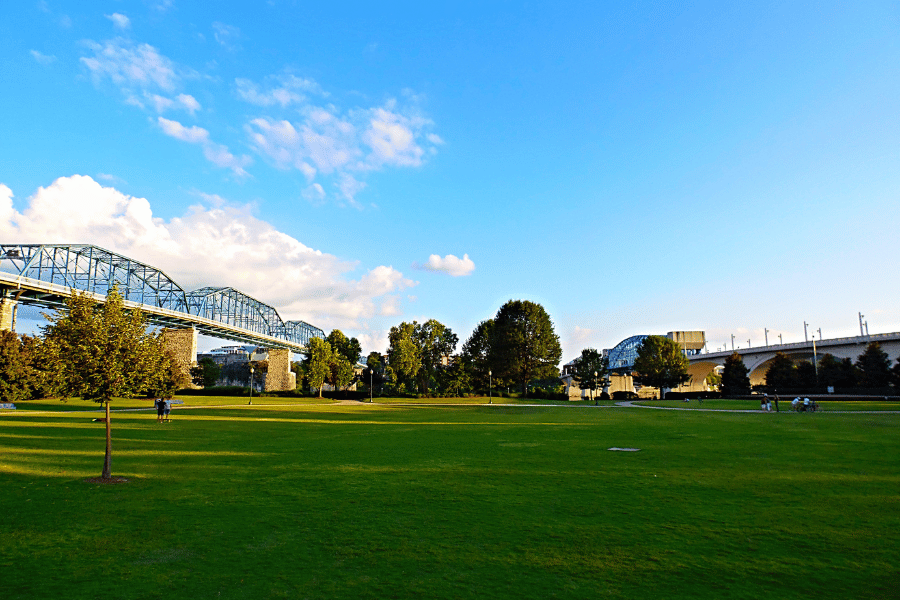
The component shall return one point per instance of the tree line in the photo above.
(518, 349)
(871, 372)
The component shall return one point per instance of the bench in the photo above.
(8, 406)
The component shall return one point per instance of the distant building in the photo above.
(621, 362)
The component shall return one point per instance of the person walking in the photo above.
(167, 406)
(776, 403)
(160, 409)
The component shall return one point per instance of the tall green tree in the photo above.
(104, 352)
(735, 376)
(839, 373)
(436, 343)
(805, 375)
(660, 363)
(318, 362)
(781, 373)
(404, 357)
(476, 354)
(523, 345)
(874, 367)
(590, 370)
(349, 348)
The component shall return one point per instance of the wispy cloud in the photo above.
(44, 59)
(217, 154)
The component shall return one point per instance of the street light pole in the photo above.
(805, 337)
(370, 384)
(766, 332)
(251, 386)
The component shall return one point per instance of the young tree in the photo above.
(660, 363)
(103, 353)
(206, 373)
(458, 376)
(523, 345)
(735, 379)
(590, 370)
(874, 367)
(781, 374)
(318, 362)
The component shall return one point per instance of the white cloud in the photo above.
(44, 59)
(120, 21)
(192, 135)
(326, 142)
(188, 102)
(131, 66)
(223, 245)
(450, 265)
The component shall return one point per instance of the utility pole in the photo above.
(861, 334)
(766, 331)
(780, 341)
(805, 337)
(732, 342)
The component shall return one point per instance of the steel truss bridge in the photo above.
(46, 274)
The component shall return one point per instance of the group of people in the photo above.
(765, 404)
(804, 405)
(163, 406)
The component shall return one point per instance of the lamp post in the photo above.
(251, 385)
(593, 385)
(766, 332)
(732, 342)
(805, 337)
(370, 384)
(490, 391)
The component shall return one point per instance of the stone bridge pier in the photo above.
(182, 346)
(279, 377)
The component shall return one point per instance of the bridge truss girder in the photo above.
(219, 312)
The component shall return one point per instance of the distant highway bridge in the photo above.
(757, 359)
(46, 274)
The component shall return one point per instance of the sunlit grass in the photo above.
(512, 501)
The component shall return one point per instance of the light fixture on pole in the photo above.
(732, 342)
(490, 391)
(805, 337)
(780, 341)
(766, 333)
(594, 385)
(370, 384)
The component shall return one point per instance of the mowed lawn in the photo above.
(369, 501)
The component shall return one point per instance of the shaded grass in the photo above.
(450, 502)
(784, 405)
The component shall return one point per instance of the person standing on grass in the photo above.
(160, 409)
(167, 404)
(776, 403)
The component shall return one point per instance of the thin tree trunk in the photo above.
(107, 461)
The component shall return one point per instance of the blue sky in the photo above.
(634, 167)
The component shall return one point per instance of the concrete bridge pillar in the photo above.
(182, 345)
(279, 377)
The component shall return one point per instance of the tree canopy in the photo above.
(735, 379)
(874, 367)
(523, 344)
(660, 363)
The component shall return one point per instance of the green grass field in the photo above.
(298, 499)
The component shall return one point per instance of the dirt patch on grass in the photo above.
(106, 480)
